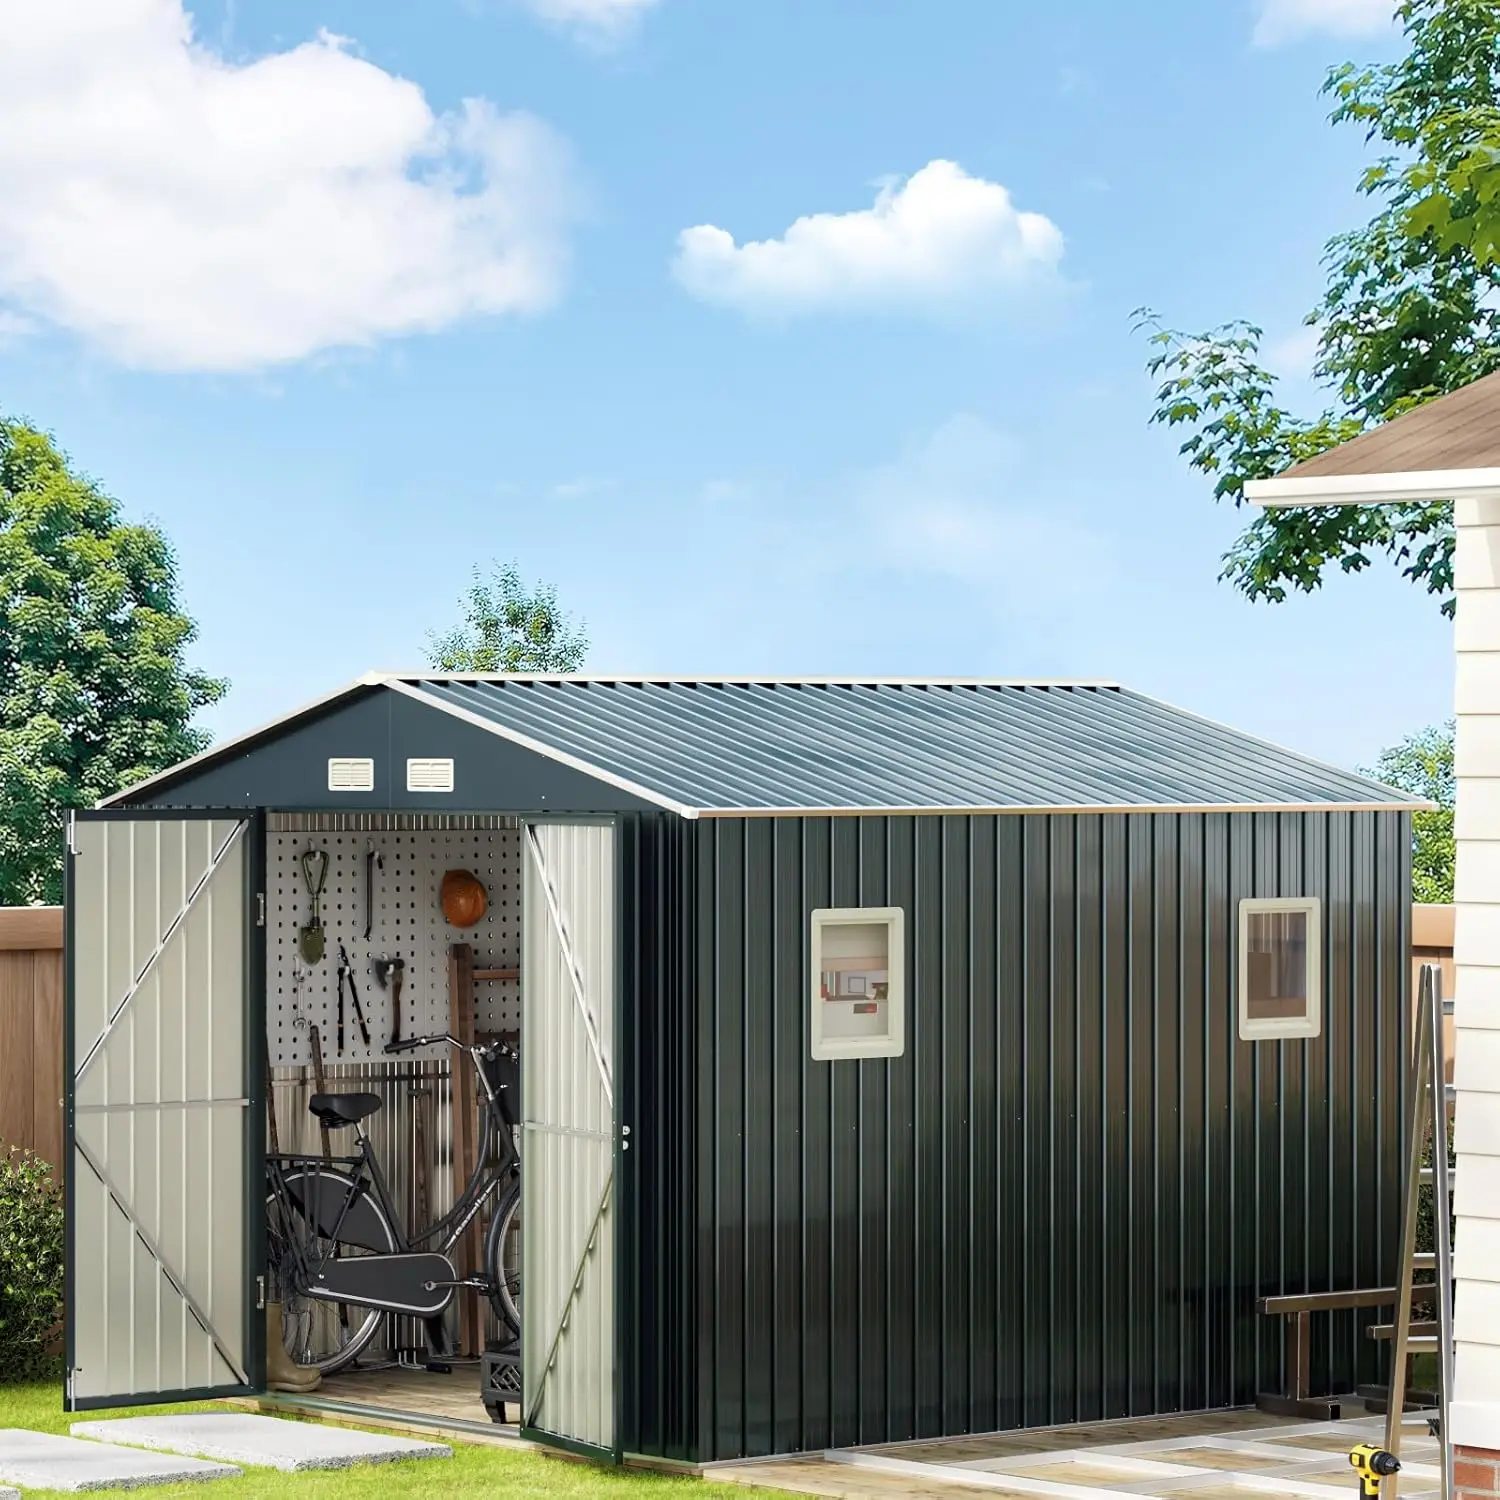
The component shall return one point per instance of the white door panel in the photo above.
(159, 1259)
(568, 1101)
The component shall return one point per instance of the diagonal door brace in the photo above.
(177, 1283)
(140, 979)
(570, 963)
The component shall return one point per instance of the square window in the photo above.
(1281, 979)
(858, 983)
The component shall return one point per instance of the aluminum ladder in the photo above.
(1427, 1103)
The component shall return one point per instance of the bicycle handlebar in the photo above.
(413, 1042)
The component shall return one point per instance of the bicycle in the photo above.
(337, 1246)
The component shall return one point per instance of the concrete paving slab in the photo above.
(46, 1461)
(267, 1442)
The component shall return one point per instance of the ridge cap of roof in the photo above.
(670, 680)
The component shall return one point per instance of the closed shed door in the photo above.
(159, 1062)
(568, 1104)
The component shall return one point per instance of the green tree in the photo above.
(94, 691)
(1410, 310)
(1423, 764)
(508, 627)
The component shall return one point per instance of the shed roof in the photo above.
(763, 746)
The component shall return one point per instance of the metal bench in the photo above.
(1296, 1400)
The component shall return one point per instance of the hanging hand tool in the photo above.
(300, 977)
(314, 877)
(320, 1083)
(271, 1134)
(373, 861)
(390, 973)
(346, 975)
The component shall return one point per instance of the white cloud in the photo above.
(581, 489)
(725, 492)
(939, 242)
(955, 505)
(184, 212)
(598, 20)
(13, 327)
(1284, 20)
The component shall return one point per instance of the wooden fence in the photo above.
(31, 1029)
(31, 1016)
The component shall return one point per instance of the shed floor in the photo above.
(403, 1397)
(1235, 1455)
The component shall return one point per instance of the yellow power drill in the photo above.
(1372, 1463)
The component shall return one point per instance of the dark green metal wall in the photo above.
(1061, 1202)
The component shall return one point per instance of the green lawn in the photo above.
(475, 1470)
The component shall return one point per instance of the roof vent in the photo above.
(427, 775)
(350, 773)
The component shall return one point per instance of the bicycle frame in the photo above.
(483, 1184)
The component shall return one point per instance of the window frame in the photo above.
(893, 1043)
(1282, 1028)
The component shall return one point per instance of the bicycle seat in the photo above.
(338, 1111)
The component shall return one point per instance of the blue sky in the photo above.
(345, 335)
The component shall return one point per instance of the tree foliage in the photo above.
(1410, 310)
(509, 627)
(94, 690)
(1423, 765)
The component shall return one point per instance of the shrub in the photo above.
(31, 1266)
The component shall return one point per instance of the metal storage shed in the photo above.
(1038, 1170)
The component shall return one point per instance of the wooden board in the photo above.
(31, 929)
(17, 1032)
(47, 1058)
(465, 1136)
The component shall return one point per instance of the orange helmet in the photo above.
(463, 898)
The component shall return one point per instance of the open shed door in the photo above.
(569, 1122)
(161, 1059)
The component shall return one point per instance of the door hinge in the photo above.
(72, 835)
(260, 908)
(260, 1294)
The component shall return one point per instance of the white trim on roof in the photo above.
(540, 747)
(1375, 489)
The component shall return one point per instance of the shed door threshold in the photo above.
(366, 1411)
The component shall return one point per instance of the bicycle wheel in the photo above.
(502, 1259)
(325, 1335)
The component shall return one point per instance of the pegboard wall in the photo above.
(414, 854)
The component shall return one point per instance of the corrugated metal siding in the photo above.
(1060, 1204)
(658, 1082)
(748, 746)
(568, 1189)
(158, 1246)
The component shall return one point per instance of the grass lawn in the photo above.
(474, 1470)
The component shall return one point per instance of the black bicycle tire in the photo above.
(503, 1299)
(360, 1341)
